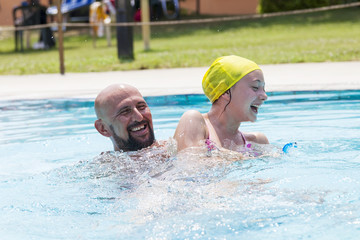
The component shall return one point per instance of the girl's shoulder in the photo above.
(191, 130)
(192, 120)
(192, 114)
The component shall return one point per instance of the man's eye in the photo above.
(125, 111)
(255, 88)
(141, 107)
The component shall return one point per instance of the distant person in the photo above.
(124, 116)
(33, 14)
(236, 88)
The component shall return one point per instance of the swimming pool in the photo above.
(54, 184)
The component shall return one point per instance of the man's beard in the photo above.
(132, 144)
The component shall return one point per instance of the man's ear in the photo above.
(101, 128)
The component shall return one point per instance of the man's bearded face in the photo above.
(133, 144)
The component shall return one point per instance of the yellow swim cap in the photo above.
(223, 73)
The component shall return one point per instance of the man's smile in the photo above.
(135, 129)
(139, 128)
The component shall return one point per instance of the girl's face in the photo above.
(247, 95)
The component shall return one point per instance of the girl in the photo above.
(235, 86)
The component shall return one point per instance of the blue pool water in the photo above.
(54, 184)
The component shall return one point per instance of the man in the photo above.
(124, 116)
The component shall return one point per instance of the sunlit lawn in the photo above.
(316, 37)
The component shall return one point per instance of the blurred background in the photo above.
(183, 33)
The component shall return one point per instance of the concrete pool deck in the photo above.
(280, 77)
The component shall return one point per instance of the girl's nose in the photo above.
(263, 95)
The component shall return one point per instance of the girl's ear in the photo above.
(101, 128)
(226, 95)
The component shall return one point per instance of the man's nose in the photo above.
(137, 116)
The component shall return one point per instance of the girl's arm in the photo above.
(191, 130)
(257, 137)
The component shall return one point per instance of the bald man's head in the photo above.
(112, 94)
(123, 115)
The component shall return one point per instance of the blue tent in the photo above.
(69, 5)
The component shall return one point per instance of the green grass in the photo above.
(316, 37)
